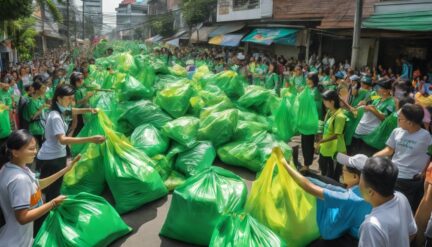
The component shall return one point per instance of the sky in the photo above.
(108, 6)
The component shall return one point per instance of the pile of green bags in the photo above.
(149, 139)
(174, 99)
(199, 203)
(183, 130)
(218, 127)
(81, 220)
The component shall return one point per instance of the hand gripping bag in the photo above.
(81, 220)
(277, 202)
(198, 204)
(129, 173)
(242, 230)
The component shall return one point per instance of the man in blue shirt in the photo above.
(340, 212)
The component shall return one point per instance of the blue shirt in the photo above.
(340, 212)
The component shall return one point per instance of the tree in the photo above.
(197, 11)
(15, 9)
(22, 33)
(55, 13)
(163, 24)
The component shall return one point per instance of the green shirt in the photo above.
(361, 95)
(31, 108)
(334, 124)
(386, 106)
(297, 81)
(318, 101)
(271, 80)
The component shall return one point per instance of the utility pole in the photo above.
(356, 33)
(67, 26)
(83, 24)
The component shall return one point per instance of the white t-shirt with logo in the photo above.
(19, 189)
(390, 224)
(410, 151)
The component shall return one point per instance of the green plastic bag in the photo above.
(183, 130)
(253, 117)
(174, 99)
(351, 124)
(91, 128)
(81, 220)
(140, 113)
(198, 204)
(242, 230)
(196, 159)
(5, 125)
(221, 106)
(230, 82)
(87, 175)
(126, 63)
(218, 127)
(149, 139)
(259, 99)
(248, 129)
(129, 173)
(380, 135)
(277, 202)
(131, 89)
(307, 113)
(284, 125)
(241, 153)
(174, 180)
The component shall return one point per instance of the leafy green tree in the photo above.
(22, 33)
(15, 9)
(197, 11)
(163, 24)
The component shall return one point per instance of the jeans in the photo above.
(413, 190)
(308, 150)
(329, 167)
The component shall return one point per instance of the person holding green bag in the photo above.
(20, 191)
(340, 211)
(33, 111)
(332, 140)
(297, 79)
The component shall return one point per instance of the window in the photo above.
(239, 5)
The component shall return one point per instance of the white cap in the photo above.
(354, 78)
(240, 56)
(357, 161)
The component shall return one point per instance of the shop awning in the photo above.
(226, 40)
(174, 42)
(154, 39)
(203, 34)
(267, 36)
(176, 35)
(228, 28)
(419, 20)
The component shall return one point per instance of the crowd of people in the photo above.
(382, 194)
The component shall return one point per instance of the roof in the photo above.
(127, 2)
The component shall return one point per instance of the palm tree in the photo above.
(54, 12)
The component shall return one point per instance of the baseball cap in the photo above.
(386, 84)
(340, 75)
(366, 80)
(357, 161)
(354, 78)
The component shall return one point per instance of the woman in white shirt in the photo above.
(20, 191)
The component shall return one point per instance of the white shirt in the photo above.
(368, 123)
(388, 225)
(410, 151)
(52, 148)
(19, 189)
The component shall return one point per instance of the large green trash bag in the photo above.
(284, 124)
(279, 203)
(149, 139)
(126, 63)
(183, 130)
(242, 230)
(178, 70)
(353, 119)
(174, 99)
(248, 129)
(142, 112)
(253, 117)
(196, 159)
(221, 106)
(198, 204)
(259, 99)
(131, 89)
(159, 66)
(209, 96)
(87, 175)
(81, 220)
(241, 153)
(230, 82)
(129, 172)
(378, 138)
(307, 113)
(91, 128)
(266, 142)
(218, 127)
(174, 180)
(5, 124)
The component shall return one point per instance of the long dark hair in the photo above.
(61, 91)
(75, 77)
(17, 140)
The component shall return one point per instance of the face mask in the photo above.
(64, 109)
